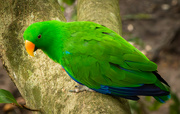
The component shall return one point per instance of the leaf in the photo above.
(7, 97)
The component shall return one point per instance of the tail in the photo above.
(162, 99)
(162, 84)
(159, 90)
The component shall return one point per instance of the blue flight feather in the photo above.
(129, 92)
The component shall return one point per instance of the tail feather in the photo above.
(146, 89)
(161, 83)
(160, 78)
(162, 99)
(133, 92)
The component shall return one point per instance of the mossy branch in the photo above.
(41, 82)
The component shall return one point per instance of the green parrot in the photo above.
(97, 57)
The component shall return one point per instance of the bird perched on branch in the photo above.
(97, 57)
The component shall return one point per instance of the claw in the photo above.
(80, 88)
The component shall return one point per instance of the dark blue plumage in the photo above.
(130, 92)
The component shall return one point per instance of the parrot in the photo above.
(98, 58)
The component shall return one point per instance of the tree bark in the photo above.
(107, 13)
(104, 12)
(41, 82)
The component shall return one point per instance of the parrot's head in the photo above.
(40, 35)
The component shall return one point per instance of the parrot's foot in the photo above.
(80, 88)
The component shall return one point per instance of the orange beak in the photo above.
(29, 47)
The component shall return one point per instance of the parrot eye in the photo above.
(39, 36)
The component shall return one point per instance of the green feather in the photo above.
(96, 55)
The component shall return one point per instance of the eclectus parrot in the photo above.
(97, 57)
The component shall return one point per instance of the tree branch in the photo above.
(104, 12)
(41, 82)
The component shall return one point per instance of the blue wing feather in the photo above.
(129, 92)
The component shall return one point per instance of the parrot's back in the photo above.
(99, 58)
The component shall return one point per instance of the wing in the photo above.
(99, 58)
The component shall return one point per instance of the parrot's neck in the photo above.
(55, 56)
(55, 45)
(54, 51)
(59, 36)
